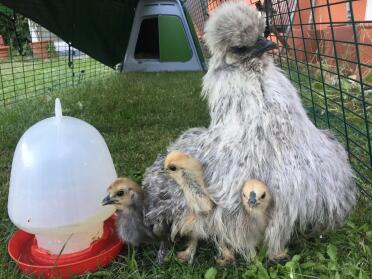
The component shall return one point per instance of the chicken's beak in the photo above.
(108, 200)
(262, 45)
(252, 199)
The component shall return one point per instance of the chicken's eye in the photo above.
(172, 168)
(263, 195)
(240, 50)
(120, 193)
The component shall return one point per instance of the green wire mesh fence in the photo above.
(34, 61)
(325, 46)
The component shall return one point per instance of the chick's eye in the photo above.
(120, 193)
(172, 168)
(263, 195)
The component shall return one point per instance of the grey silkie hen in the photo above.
(259, 129)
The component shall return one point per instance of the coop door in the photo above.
(147, 46)
(163, 38)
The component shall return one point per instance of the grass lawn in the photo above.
(139, 115)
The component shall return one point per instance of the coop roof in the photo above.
(100, 28)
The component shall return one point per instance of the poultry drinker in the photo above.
(60, 171)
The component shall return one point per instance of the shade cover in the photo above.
(99, 28)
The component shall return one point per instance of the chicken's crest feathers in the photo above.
(233, 24)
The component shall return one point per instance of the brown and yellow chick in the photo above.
(188, 174)
(127, 197)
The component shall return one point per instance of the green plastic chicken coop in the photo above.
(139, 35)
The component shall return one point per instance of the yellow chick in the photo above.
(188, 174)
(257, 200)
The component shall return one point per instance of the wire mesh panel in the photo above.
(34, 61)
(325, 46)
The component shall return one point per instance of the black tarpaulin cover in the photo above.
(100, 28)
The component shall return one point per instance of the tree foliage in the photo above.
(15, 30)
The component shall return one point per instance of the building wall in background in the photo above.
(369, 10)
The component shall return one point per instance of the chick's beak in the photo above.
(262, 45)
(252, 199)
(108, 200)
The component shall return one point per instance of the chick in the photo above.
(127, 197)
(257, 202)
(256, 198)
(188, 174)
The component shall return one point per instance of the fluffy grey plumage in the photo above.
(131, 229)
(259, 129)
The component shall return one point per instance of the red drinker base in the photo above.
(22, 248)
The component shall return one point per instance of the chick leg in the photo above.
(279, 257)
(226, 256)
(277, 236)
(162, 252)
(188, 254)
